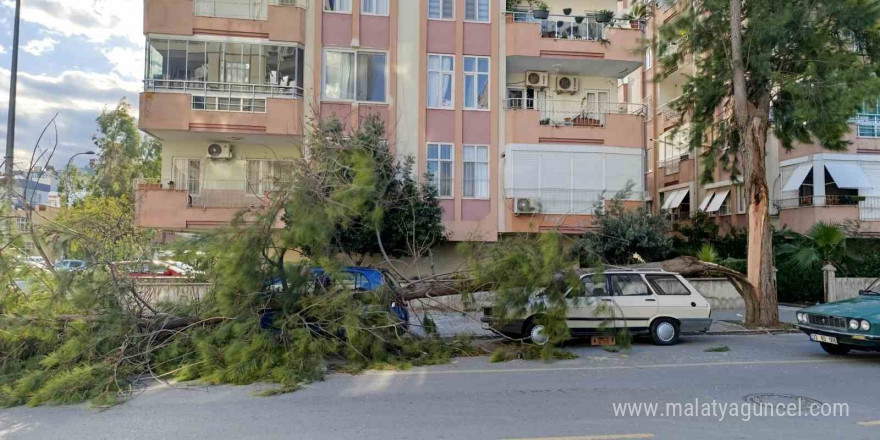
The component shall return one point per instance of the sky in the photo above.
(76, 58)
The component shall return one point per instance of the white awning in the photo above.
(676, 198)
(705, 203)
(719, 199)
(797, 178)
(848, 175)
(670, 197)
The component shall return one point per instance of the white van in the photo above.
(645, 301)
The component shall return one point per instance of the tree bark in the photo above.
(752, 121)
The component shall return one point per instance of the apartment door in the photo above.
(596, 105)
(187, 173)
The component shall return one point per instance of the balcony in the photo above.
(563, 210)
(562, 37)
(277, 20)
(571, 121)
(196, 204)
(801, 213)
(668, 117)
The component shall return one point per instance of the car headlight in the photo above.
(800, 317)
(866, 326)
(854, 324)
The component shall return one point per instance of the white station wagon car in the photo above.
(650, 302)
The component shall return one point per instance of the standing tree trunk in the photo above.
(753, 123)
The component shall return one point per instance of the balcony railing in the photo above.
(240, 9)
(568, 200)
(667, 113)
(869, 206)
(223, 89)
(207, 193)
(567, 27)
(574, 113)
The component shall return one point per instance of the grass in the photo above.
(269, 392)
(509, 352)
(718, 349)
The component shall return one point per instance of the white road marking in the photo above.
(595, 437)
(871, 423)
(619, 367)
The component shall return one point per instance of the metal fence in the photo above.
(582, 26)
(576, 113)
(208, 193)
(869, 206)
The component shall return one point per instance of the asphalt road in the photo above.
(472, 399)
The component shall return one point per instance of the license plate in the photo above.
(602, 340)
(825, 339)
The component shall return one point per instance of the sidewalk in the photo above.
(451, 324)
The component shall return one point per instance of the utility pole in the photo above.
(10, 122)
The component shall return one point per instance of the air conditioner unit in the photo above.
(566, 84)
(537, 79)
(526, 206)
(220, 151)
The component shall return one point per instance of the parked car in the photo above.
(657, 303)
(359, 279)
(842, 326)
(70, 265)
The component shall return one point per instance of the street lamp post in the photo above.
(67, 170)
(10, 122)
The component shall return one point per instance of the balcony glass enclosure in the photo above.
(263, 69)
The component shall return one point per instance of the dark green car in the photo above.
(852, 324)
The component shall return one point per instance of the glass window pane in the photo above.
(446, 152)
(468, 187)
(467, 153)
(177, 60)
(434, 62)
(629, 285)
(668, 285)
(470, 64)
(287, 66)
(434, 8)
(470, 10)
(433, 151)
(433, 89)
(483, 91)
(196, 63)
(234, 68)
(371, 77)
(158, 59)
(447, 63)
(483, 64)
(214, 53)
(270, 75)
(446, 87)
(447, 9)
(469, 91)
(339, 75)
(483, 10)
(337, 5)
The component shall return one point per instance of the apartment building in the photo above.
(524, 122)
(807, 184)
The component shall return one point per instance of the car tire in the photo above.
(535, 333)
(836, 350)
(665, 331)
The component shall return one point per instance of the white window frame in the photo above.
(435, 181)
(337, 12)
(742, 199)
(22, 224)
(476, 12)
(441, 74)
(355, 68)
(186, 178)
(428, 10)
(476, 74)
(649, 58)
(375, 2)
(476, 148)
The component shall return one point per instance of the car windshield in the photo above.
(873, 289)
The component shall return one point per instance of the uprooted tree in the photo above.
(812, 62)
(90, 335)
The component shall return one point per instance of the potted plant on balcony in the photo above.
(604, 16)
(566, 11)
(541, 11)
(171, 184)
(639, 14)
(579, 19)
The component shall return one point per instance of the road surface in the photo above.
(473, 399)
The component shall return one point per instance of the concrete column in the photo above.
(818, 182)
(828, 286)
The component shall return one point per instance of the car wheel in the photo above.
(665, 331)
(836, 350)
(536, 334)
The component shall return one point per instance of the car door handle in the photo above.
(651, 300)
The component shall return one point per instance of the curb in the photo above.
(745, 332)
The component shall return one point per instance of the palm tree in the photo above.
(824, 244)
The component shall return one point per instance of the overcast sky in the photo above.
(76, 57)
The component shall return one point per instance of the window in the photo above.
(440, 9)
(241, 9)
(628, 285)
(337, 5)
(742, 201)
(668, 285)
(649, 58)
(868, 121)
(476, 83)
(191, 64)
(476, 10)
(440, 168)
(440, 71)
(521, 98)
(475, 163)
(374, 7)
(214, 103)
(187, 174)
(21, 224)
(354, 75)
(593, 285)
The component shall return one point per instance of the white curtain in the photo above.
(339, 75)
(337, 5)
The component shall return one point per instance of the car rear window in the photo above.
(668, 285)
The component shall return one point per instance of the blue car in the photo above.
(361, 279)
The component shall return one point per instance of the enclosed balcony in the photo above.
(277, 20)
